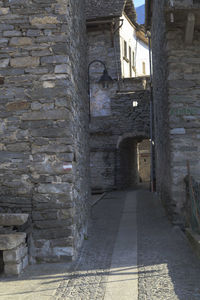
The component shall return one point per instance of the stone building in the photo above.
(175, 29)
(116, 38)
(44, 115)
(117, 126)
(43, 123)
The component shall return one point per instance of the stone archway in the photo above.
(129, 160)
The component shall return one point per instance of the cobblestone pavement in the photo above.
(88, 280)
(168, 269)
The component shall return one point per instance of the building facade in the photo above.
(117, 126)
(44, 123)
(134, 49)
(176, 62)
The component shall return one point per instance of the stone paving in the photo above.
(167, 267)
(88, 282)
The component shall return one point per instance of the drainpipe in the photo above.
(151, 115)
(114, 31)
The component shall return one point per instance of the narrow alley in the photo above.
(131, 252)
(99, 150)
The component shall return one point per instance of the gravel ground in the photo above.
(88, 280)
(168, 269)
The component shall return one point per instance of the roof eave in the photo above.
(148, 13)
(107, 18)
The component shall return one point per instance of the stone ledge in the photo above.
(13, 219)
(11, 241)
(194, 239)
(14, 256)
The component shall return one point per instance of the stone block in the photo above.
(55, 188)
(52, 224)
(51, 148)
(3, 42)
(62, 102)
(12, 33)
(24, 62)
(20, 41)
(33, 32)
(50, 132)
(13, 269)
(10, 241)
(64, 68)
(48, 84)
(44, 20)
(59, 48)
(64, 242)
(47, 115)
(16, 255)
(52, 233)
(67, 157)
(56, 59)
(25, 262)
(19, 147)
(64, 214)
(43, 52)
(14, 106)
(6, 27)
(36, 71)
(4, 10)
(63, 251)
(181, 84)
(4, 62)
(177, 131)
(13, 219)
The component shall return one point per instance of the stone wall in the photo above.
(43, 122)
(125, 124)
(102, 45)
(160, 98)
(184, 96)
(176, 82)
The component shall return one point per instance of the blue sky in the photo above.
(138, 2)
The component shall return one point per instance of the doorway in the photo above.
(133, 163)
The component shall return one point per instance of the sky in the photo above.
(138, 2)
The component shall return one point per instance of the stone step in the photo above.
(11, 241)
(13, 219)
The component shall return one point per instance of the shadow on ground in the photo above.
(167, 267)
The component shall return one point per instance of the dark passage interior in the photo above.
(133, 162)
(1, 262)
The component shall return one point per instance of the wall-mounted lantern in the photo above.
(105, 79)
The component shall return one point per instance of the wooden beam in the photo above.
(189, 32)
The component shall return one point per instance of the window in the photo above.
(125, 49)
(130, 62)
(144, 68)
(133, 59)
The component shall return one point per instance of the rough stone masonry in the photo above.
(176, 81)
(43, 123)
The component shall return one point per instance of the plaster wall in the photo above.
(139, 51)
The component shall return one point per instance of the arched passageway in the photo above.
(132, 162)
